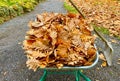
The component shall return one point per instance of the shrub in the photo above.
(12, 8)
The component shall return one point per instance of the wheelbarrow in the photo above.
(76, 71)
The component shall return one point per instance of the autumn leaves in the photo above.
(58, 40)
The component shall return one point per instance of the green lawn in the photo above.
(70, 8)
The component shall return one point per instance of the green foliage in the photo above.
(1, 20)
(70, 8)
(118, 37)
(102, 29)
(12, 8)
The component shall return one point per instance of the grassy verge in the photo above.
(13, 8)
(102, 29)
(70, 8)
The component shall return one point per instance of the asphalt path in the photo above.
(13, 60)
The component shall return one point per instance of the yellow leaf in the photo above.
(104, 64)
(102, 57)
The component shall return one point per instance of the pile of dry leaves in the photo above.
(104, 13)
(57, 40)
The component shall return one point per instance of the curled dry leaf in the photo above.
(102, 57)
(59, 40)
(114, 41)
(104, 64)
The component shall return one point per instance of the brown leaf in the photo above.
(71, 15)
(4, 73)
(59, 66)
(118, 61)
(104, 64)
(35, 54)
(114, 41)
(88, 63)
(102, 57)
(91, 51)
(59, 39)
(62, 51)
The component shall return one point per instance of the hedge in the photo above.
(13, 8)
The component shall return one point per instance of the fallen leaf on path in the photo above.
(114, 41)
(102, 57)
(4, 73)
(97, 80)
(19, 42)
(97, 68)
(104, 64)
(118, 61)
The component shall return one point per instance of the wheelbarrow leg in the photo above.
(77, 76)
(43, 78)
(83, 76)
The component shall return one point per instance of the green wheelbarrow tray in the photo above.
(70, 70)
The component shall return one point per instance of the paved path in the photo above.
(12, 58)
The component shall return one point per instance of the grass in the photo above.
(70, 8)
(118, 37)
(102, 29)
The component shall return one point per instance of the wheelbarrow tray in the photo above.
(76, 67)
(76, 70)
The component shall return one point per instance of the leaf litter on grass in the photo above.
(103, 13)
